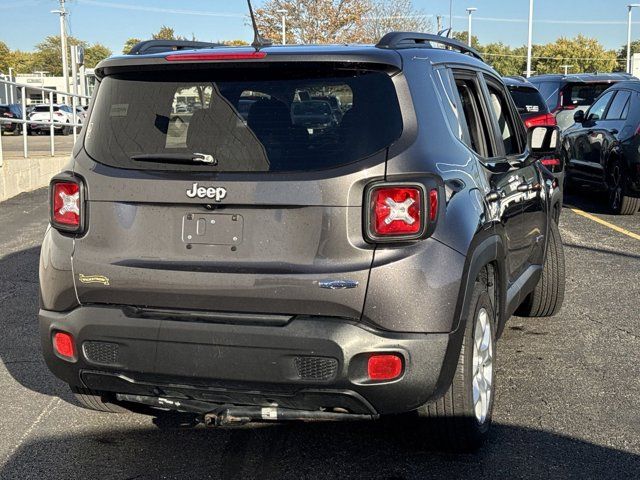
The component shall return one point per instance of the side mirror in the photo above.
(579, 117)
(543, 142)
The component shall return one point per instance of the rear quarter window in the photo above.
(248, 119)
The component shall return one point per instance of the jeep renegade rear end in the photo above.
(209, 253)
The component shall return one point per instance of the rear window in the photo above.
(582, 94)
(528, 100)
(248, 119)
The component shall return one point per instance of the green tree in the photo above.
(165, 33)
(504, 59)
(5, 57)
(233, 43)
(94, 54)
(129, 44)
(622, 54)
(583, 53)
(464, 38)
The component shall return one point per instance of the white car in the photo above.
(62, 118)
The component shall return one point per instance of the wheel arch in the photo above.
(485, 261)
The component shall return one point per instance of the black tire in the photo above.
(619, 202)
(452, 418)
(547, 298)
(92, 400)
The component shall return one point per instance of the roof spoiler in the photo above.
(398, 40)
(159, 46)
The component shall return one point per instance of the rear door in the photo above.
(272, 224)
(586, 142)
(525, 179)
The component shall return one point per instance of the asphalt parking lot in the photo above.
(37, 145)
(567, 405)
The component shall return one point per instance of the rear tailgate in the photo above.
(266, 229)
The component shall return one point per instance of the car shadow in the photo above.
(20, 343)
(587, 201)
(323, 451)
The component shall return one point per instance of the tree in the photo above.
(622, 54)
(5, 54)
(129, 44)
(233, 43)
(583, 53)
(464, 38)
(386, 16)
(314, 21)
(94, 54)
(504, 59)
(165, 33)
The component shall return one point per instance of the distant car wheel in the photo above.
(619, 202)
(462, 417)
(547, 298)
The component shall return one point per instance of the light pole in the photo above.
(470, 11)
(630, 7)
(566, 68)
(283, 12)
(63, 44)
(529, 43)
(450, 17)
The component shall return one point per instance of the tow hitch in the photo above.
(242, 415)
(224, 415)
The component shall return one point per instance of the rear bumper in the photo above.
(307, 363)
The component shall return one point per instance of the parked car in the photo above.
(258, 272)
(564, 94)
(313, 115)
(534, 112)
(62, 119)
(10, 111)
(601, 149)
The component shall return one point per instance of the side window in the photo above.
(618, 109)
(453, 111)
(504, 118)
(596, 112)
(549, 91)
(476, 122)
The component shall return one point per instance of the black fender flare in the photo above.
(484, 249)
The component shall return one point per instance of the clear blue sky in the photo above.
(111, 22)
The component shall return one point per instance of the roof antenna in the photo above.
(446, 32)
(258, 40)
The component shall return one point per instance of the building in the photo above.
(38, 80)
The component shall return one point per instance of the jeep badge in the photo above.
(214, 193)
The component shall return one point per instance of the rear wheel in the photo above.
(619, 202)
(93, 400)
(546, 299)
(462, 417)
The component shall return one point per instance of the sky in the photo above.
(112, 22)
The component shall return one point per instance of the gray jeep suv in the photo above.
(246, 268)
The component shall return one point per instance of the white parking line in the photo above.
(50, 407)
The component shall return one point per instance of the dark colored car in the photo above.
(255, 271)
(313, 115)
(564, 94)
(601, 149)
(534, 112)
(8, 112)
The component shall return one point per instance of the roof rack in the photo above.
(159, 46)
(398, 40)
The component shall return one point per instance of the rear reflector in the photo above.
(210, 57)
(396, 211)
(433, 205)
(384, 367)
(65, 205)
(64, 345)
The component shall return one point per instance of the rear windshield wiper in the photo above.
(178, 158)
